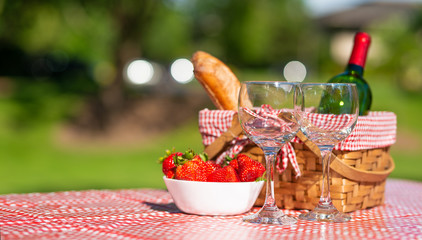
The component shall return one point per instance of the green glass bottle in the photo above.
(354, 72)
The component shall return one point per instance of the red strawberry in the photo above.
(235, 164)
(210, 167)
(232, 161)
(241, 158)
(191, 167)
(249, 169)
(192, 170)
(168, 166)
(226, 174)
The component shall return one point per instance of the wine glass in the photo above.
(266, 114)
(327, 115)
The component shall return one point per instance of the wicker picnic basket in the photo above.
(358, 169)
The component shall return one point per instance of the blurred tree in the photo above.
(400, 40)
(130, 19)
(104, 35)
(101, 33)
(254, 34)
(39, 55)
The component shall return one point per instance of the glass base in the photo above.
(270, 215)
(325, 214)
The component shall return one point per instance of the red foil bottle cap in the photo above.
(360, 49)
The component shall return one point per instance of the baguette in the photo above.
(218, 80)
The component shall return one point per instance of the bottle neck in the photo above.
(353, 68)
(360, 49)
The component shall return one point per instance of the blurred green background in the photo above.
(72, 119)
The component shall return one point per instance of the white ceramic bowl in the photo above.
(212, 198)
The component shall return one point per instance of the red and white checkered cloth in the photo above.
(330, 122)
(150, 214)
(376, 130)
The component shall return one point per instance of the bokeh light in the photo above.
(294, 71)
(182, 70)
(140, 72)
(341, 47)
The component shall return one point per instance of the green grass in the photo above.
(407, 152)
(31, 161)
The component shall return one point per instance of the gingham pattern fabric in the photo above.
(213, 123)
(376, 130)
(330, 122)
(271, 117)
(149, 214)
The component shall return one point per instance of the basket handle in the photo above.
(348, 171)
(220, 143)
(360, 175)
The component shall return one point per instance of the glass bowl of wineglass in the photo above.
(327, 113)
(266, 114)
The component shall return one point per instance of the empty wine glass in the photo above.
(266, 114)
(328, 114)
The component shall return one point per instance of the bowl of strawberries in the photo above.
(203, 187)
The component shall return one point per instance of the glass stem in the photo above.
(269, 163)
(325, 199)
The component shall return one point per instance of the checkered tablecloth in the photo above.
(151, 214)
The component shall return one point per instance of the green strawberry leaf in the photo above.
(189, 154)
(228, 159)
(168, 153)
(262, 178)
(204, 156)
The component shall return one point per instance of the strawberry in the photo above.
(168, 163)
(241, 158)
(232, 161)
(192, 170)
(249, 169)
(235, 164)
(210, 167)
(191, 167)
(225, 174)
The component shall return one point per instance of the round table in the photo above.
(151, 214)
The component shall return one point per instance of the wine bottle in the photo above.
(354, 72)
